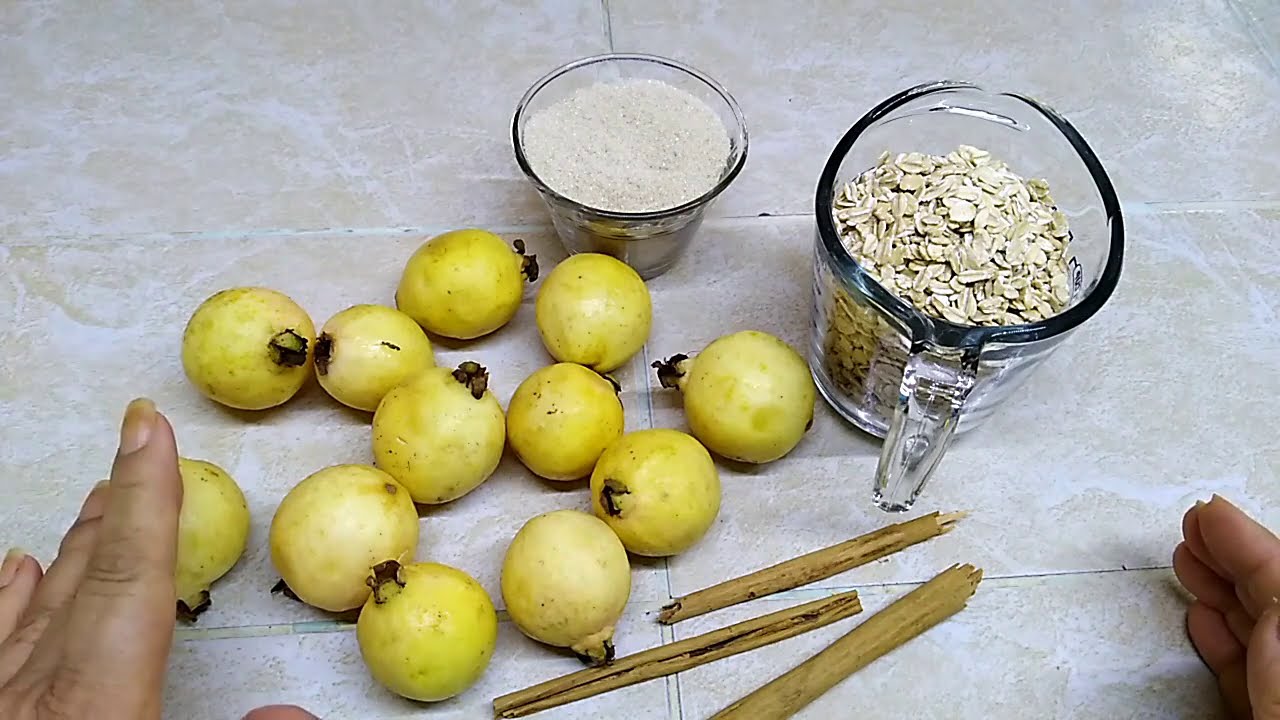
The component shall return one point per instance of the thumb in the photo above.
(1264, 665)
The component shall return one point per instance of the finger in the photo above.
(121, 622)
(18, 578)
(1201, 581)
(39, 624)
(1237, 544)
(1233, 683)
(1195, 539)
(1240, 622)
(280, 712)
(1260, 590)
(1213, 640)
(1264, 666)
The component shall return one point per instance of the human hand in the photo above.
(90, 636)
(1231, 564)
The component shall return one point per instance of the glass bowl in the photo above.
(650, 242)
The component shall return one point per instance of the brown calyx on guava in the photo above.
(609, 494)
(672, 370)
(288, 349)
(189, 614)
(324, 353)
(474, 377)
(617, 388)
(597, 648)
(384, 574)
(283, 588)
(528, 263)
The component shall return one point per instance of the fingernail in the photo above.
(135, 431)
(9, 570)
(1201, 503)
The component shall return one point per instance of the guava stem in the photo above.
(672, 370)
(324, 353)
(281, 587)
(288, 349)
(609, 496)
(384, 574)
(474, 377)
(596, 648)
(528, 264)
(191, 613)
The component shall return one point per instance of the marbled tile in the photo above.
(1151, 405)
(1179, 104)
(96, 323)
(323, 672)
(1253, 240)
(1082, 647)
(199, 115)
(1263, 17)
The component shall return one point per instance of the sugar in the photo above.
(637, 145)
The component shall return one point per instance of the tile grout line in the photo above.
(262, 233)
(675, 708)
(310, 627)
(675, 704)
(608, 23)
(521, 228)
(1253, 29)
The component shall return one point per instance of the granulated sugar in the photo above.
(632, 146)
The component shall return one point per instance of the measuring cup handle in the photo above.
(934, 388)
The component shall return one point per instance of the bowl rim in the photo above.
(724, 182)
(942, 333)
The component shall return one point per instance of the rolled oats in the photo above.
(960, 237)
(964, 212)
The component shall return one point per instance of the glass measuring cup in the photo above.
(910, 378)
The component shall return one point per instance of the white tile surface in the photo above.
(150, 156)
(1082, 647)
(218, 679)
(1179, 103)
(122, 118)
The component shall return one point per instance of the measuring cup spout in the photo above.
(934, 386)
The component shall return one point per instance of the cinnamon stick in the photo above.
(676, 657)
(817, 565)
(908, 617)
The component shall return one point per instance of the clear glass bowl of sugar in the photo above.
(628, 151)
